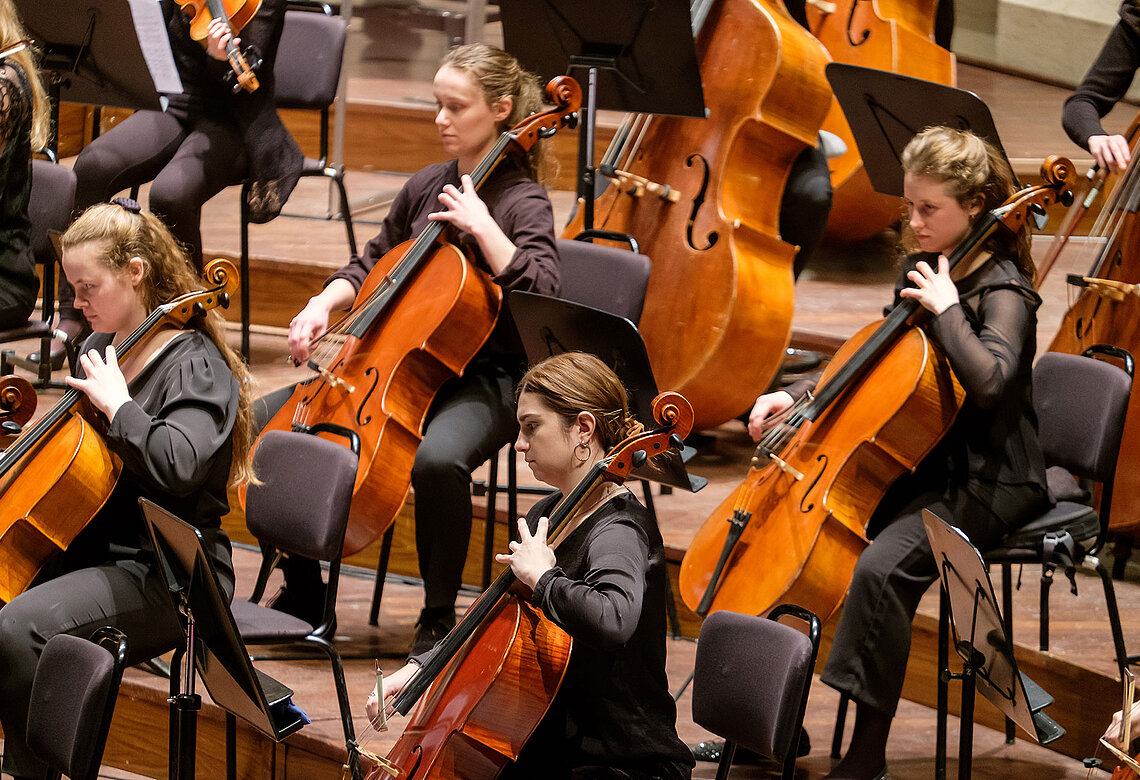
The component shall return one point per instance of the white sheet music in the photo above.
(150, 28)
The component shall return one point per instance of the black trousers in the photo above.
(805, 204)
(128, 594)
(471, 418)
(872, 642)
(187, 162)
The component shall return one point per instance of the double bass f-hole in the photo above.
(375, 376)
(862, 37)
(698, 201)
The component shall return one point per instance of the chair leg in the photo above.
(943, 683)
(345, 210)
(1113, 618)
(381, 574)
(1007, 618)
(489, 518)
(231, 746)
(244, 275)
(342, 701)
(840, 722)
(726, 756)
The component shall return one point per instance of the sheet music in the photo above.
(150, 28)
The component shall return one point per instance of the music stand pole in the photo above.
(184, 706)
(586, 150)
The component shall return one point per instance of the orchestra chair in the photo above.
(300, 507)
(73, 698)
(751, 680)
(49, 209)
(1080, 402)
(606, 278)
(307, 72)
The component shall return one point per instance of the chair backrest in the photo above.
(751, 678)
(302, 503)
(309, 58)
(1080, 403)
(73, 698)
(603, 277)
(50, 206)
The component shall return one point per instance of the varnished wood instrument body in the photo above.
(891, 35)
(718, 307)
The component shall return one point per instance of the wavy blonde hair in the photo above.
(575, 382)
(167, 274)
(499, 75)
(11, 33)
(976, 173)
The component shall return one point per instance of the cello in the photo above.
(57, 475)
(702, 198)
(1107, 310)
(892, 35)
(422, 313)
(883, 403)
(489, 682)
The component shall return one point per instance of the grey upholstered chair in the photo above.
(751, 680)
(300, 507)
(73, 698)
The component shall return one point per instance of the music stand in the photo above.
(549, 326)
(104, 52)
(213, 647)
(885, 110)
(986, 652)
(635, 55)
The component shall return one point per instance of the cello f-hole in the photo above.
(368, 372)
(698, 201)
(822, 460)
(850, 26)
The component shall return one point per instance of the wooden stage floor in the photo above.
(845, 289)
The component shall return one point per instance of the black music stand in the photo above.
(885, 110)
(213, 647)
(635, 55)
(92, 54)
(549, 326)
(986, 652)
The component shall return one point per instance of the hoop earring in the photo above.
(586, 447)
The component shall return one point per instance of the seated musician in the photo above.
(178, 417)
(23, 129)
(508, 226)
(1102, 88)
(604, 584)
(205, 139)
(987, 475)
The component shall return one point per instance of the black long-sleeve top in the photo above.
(17, 265)
(1107, 80)
(520, 207)
(608, 592)
(175, 440)
(990, 339)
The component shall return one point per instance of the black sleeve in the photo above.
(13, 107)
(987, 360)
(528, 221)
(604, 608)
(174, 448)
(1103, 86)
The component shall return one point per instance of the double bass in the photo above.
(58, 474)
(891, 35)
(490, 681)
(702, 199)
(1107, 309)
(422, 313)
(794, 528)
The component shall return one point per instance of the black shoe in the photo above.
(712, 750)
(433, 625)
(307, 604)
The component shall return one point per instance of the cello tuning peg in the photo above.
(639, 459)
(1037, 212)
(676, 442)
(1067, 198)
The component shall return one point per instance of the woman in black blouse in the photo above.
(602, 580)
(23, 129)
(508, 227)
(987, 475)
(178, 416)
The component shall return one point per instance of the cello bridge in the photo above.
(637, 186)
(785, 467)
(330, 377)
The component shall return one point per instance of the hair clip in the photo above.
(128, 204)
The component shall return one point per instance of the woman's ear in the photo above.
(502, 108)
(585, 426)
(136, 271)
